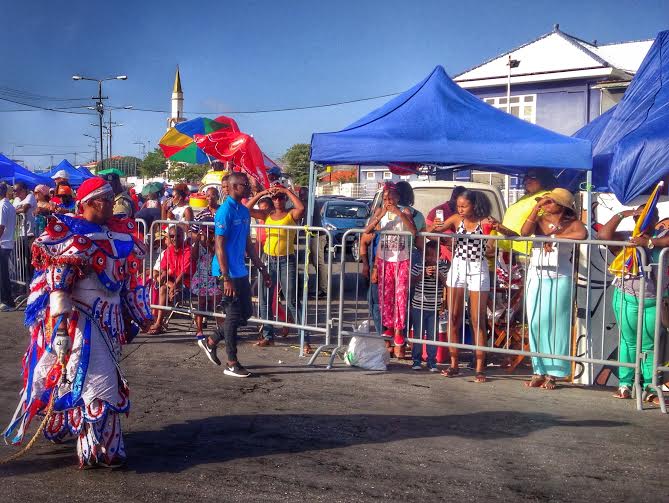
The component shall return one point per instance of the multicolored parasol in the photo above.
(628, 260)
(178, 144)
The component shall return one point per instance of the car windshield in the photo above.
(347, 210)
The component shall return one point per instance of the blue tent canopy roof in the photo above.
(438, 122)
(633, 147)
(12, 172)
(76, 177)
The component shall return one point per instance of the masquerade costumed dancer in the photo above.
(84, 294)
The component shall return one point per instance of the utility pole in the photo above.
(99, 105)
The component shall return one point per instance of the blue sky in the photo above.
(255, 55)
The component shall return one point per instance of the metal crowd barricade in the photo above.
(289, 268)
(19, 261)
(508, 328)
(660, 332)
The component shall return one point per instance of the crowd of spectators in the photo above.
(425, 273)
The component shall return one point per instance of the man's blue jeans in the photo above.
(283, 272)
(423, 322)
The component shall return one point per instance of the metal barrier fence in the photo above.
(539, 305)
(288, 252)
(659, 365)
(553, 304)
(20, 260)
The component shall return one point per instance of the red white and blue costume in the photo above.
(89, 273)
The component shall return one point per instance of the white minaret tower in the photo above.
(177, 102)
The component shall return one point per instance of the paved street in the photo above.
(296, 433)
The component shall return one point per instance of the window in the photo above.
(523, 106)
(371, 175)
(387, 175)
(347, 211)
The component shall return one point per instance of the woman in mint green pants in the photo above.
(626, 311)
(626, 302)
(549, 288)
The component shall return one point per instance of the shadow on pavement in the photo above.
(180, 446)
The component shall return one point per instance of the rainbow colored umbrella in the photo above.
(178, 144)
(628, 260)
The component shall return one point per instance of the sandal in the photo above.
(651, 397)
(549, 383)
(199, 336)
(450, 372)
(535, 382)
(480, 377)
(399, 352)
(156, 330)
(624, 393)
(307, 350)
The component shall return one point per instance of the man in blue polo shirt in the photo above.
(232, 225)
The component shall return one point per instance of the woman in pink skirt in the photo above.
(392, 263)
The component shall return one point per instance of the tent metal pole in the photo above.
(312, 192)
(588, 202)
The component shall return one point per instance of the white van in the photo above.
(429, 194)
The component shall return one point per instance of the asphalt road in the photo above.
(295, 433)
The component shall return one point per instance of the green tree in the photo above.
(154, 164)
(187, 172)
(296, 163)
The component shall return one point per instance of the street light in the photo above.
(512, 63)
(99, 106)
(95, 145)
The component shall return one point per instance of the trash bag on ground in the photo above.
(366, 352)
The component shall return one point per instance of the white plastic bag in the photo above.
(366, 352)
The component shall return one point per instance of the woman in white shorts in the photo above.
(468, 275)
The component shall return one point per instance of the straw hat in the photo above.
(561, 196)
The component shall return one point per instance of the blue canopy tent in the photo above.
(76, 177)
(437, 122)
(6, 168)
(85, 171)
(20, 174)
(632, 148)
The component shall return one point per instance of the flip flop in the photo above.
(156, 330)
(536, 381)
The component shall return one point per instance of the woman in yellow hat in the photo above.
(548, 288)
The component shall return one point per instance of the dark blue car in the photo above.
(339, 215)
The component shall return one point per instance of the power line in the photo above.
(269, 110)
(21, 144)
(52, 153)
(17, 93)
(65, 110)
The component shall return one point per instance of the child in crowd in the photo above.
(203, 285)
(468, 273)
(428, 280)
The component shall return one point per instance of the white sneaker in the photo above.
(434, 369)
(5, 308)
(416, 366)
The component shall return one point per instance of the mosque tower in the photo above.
(177, 103)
